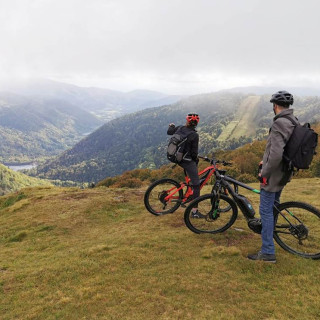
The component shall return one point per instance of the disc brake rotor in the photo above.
(162, 195)
(299, 231)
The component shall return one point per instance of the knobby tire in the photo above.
(154, 197)
(297, 229)
(210, 224)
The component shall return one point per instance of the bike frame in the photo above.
(189, 190)
(225, 181)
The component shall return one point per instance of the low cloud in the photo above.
(170, 45)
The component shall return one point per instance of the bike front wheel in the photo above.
(297, 229)
(213, 216)
(163, 196)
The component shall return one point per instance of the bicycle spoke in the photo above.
(213, 217)
(298, 229)
(163, 196)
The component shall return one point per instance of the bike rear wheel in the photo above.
(297, 229)
(215, 219)
(154, 198)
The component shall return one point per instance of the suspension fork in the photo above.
(213, 214)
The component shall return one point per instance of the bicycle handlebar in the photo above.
(204, 158)
(213, 161)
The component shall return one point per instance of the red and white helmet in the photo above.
(193, 118)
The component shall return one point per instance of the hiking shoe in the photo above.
(263, 257)
(197, 215)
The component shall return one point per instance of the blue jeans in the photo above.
(267, 200)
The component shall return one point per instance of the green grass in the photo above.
(98, 254)
(9, 201)
(13, 181)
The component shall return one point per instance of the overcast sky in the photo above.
(174, 46)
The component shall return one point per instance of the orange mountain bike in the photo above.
(167, 195)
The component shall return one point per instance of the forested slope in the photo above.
(139, 140)
(37, 127)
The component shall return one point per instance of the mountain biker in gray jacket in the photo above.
(274, 174)
(190, 158)
(274, 170)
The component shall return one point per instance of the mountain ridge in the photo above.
(31, 128)
(43, 118)
(104, 103)
(139, 140)
(262, 90)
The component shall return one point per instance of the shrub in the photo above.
(107, 182)
(128, 183)
(246, 178)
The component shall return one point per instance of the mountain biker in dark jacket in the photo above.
(274, 174)
(190, 158)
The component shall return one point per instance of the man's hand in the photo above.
(263, 180)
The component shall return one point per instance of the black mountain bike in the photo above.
(297, 224)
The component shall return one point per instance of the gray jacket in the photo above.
(273, 167)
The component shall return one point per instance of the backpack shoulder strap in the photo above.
(295, 123)
(187, 134)
(190, 133)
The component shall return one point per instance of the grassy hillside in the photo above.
(98, 254)
(12, 181)
(244, 123)
(139, 140)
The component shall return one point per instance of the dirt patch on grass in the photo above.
(177, 224)
(230, 241)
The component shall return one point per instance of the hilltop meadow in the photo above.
(69, 253)
(96, 253)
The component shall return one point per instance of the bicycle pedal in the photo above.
(183, 205)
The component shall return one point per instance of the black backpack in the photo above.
(300, 148)
(176, 146)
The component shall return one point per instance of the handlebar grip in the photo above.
(204, 158)
(224, 163)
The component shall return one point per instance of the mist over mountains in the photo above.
(46, 118)
(104, 103)
(296, 91)
(42, 118)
